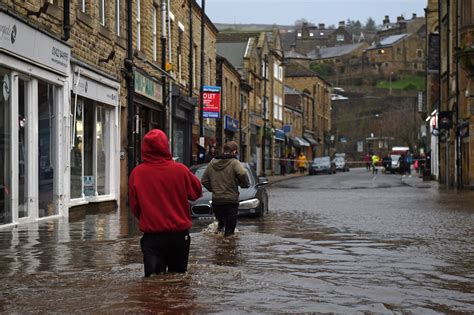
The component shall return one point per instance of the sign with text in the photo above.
(23, 40)
(147, 87)
(211, 101)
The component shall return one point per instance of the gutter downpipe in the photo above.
(130, 90)
(66, 19)
(170, 84)
(458, 137)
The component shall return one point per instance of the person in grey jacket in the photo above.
(222, 177)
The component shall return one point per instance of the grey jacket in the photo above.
(222, 177)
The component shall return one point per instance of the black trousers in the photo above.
(165, 252)
(226, 216)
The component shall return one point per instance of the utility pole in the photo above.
(163, 56)
(130, 90)
(201, 150)
(265, 71)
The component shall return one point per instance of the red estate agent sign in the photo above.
(211, 101)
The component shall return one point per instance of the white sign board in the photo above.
(92, 89)
(360, 146)
(29, 43)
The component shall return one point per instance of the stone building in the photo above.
(397, 54)
(402, 26)
(61, 108)
(309, 37)
(301, 78)
(456, 116)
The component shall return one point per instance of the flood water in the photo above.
(344, 243)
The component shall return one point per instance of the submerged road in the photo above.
(345, 243)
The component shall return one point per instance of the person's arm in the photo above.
(194, 186)
(133, 198)
(206, 181)
(241, 175)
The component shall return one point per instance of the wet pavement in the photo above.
(345, 243)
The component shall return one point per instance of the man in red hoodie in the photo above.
(159, 191)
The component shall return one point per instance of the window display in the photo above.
(5, 161)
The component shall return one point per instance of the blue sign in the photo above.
(231, 124)
(287, 129)
(211, 89)
(279, 135)
(211, 115)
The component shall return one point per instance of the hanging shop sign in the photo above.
(231, 124)
(211, 101)
(33, 45)
(148, 87)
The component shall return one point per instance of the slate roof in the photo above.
(294, 69)
(291, 91)
(389, 41)
(233, 52)
(292, 54)
(287, 40)
(236, 36)
(336, 51)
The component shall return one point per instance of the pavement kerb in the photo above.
(278, 178)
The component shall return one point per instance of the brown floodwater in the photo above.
(344, 243)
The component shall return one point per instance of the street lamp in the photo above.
(390, 84)
(265, 71)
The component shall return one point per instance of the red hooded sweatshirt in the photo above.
(159, 188)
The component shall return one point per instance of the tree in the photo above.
(322, 69)
(370, 24)
(300, 22)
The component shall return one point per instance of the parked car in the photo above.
(395, 164)
(253, 200)
(322, 165)
(341, 164)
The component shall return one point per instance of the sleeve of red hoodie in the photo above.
(194, 187)
(132, 197)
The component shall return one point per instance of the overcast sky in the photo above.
(316, 11)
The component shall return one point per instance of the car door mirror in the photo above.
(262, 181)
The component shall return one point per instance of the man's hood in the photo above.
(221, 162)
(155, 146)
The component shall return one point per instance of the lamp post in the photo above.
(390, 84)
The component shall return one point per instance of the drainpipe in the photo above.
(191, 49)
(130, 90)
(163, 51)
(458, 137)
(201, 151)
(66, 19)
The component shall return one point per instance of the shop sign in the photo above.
(279, 134)
(27, 42)
(287, 129)
(211, 101)
(94, 90)
(256, 120)
(231, 124)
(148, 87)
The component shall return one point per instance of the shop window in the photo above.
(91, 153)
(5, 147)
(22, 148)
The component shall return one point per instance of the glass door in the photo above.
(5, 146)
(23, 148)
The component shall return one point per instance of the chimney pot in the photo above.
(342, 24)
(414, 16)
(321, 26)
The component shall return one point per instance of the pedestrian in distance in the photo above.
(283, 166)
(211, 153)
(301, 163)
(159, 194)
(222, 177)
(375, 161)
(368, 161)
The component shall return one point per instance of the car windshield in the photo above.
(321, 161)
(394, 157)
(339, 160)
(200, 171)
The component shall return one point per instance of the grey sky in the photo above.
(316, 11)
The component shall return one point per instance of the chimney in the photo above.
(305, 25)
(342, 24)
(386, 20)
(413, 16)
(321, 26)
(400, 18)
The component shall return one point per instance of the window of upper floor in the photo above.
(467, 15)
(419, 53)
(340, 37)
(102, 12)
(299, 34)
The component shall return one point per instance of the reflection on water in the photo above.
(416, 258)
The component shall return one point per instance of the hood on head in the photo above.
(155, 146)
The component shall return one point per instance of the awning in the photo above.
(311, 140)
(279, 135)
(299, 142)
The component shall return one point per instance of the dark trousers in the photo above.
(165, 252)
(226, 216)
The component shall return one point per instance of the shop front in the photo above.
(311, 154)
(95, 144)
(183, 119)
(149, 109)
(33, 119)
(231, 129)
(279, 150)
(256, 123)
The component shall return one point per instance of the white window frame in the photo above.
(102, 12)
(83, 6)
(299, 34)
(153, 32)
(117, 17)
(280, 73)
(275, 106)
(275, 70)
(340, 37)
(138, 21)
